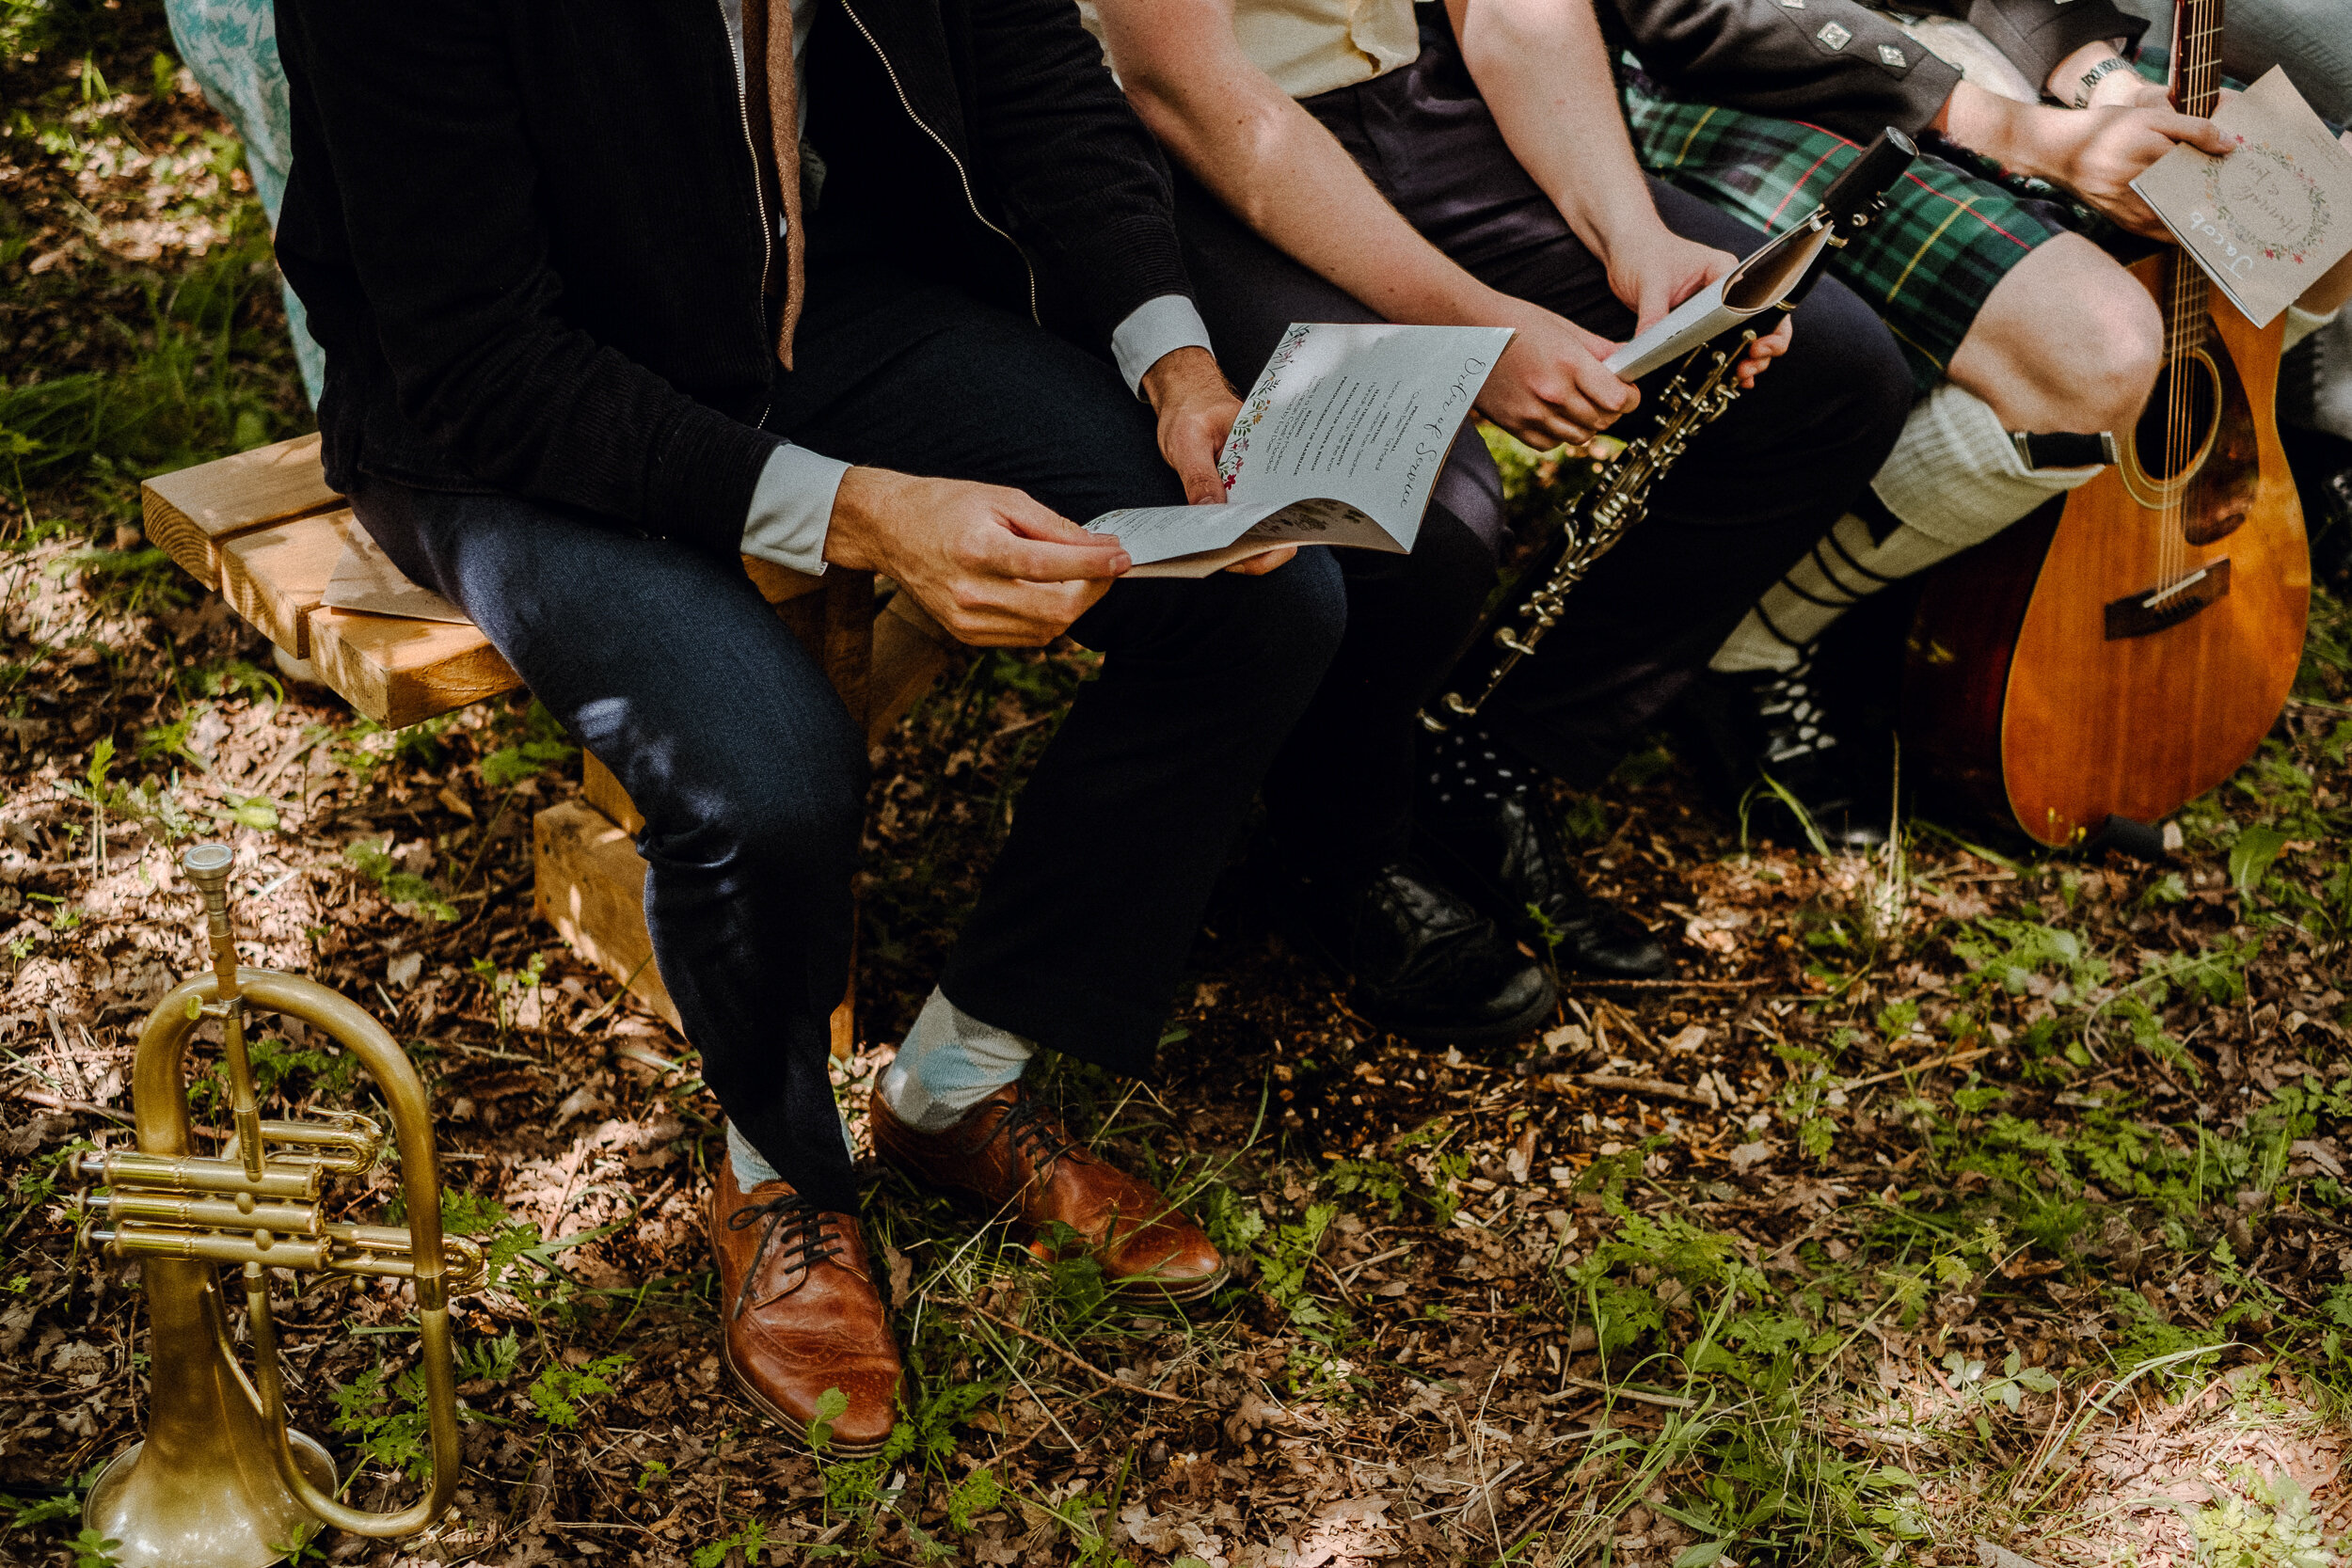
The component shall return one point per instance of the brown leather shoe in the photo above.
(1011, 1155)
(801, 1315)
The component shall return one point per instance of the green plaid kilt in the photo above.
(1949, 234)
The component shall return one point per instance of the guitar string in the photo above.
(2189, 313)
(2195, 75)
(2183, 17)
(2196, 293)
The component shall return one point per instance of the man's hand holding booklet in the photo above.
(1337, 443)
(2266, 221)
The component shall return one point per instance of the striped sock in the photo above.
(1953, 480)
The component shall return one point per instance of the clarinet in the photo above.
(1702, 389)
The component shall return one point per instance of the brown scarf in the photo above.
(773, 100)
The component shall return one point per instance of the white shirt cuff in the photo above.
(792, 509)
(1158, 327)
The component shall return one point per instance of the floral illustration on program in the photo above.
(2270, 204)
(1261, 398)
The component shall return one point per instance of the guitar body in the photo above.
(2129, 655)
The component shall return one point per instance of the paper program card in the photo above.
(1339, 442)
(2268, 220)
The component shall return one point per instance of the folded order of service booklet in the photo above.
(1337, 443)
(2265, 221)
(1762, 280)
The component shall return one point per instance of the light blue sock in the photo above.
(951, 1062)
(752, 1167)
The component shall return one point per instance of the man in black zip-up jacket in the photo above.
(614, 293)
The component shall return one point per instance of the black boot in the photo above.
(1506, 851)
(2321, 467)
(1487, 827)
(1774, 723)
(1422, 963)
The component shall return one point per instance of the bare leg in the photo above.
(2066, 341)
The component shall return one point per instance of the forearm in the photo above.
(1275, 166)
(1543, 70)
(2086, 79)
(2032, 139)
(1986, 123)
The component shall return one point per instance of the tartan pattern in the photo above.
(1947, 237)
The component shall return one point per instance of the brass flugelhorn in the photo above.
(221, 1479)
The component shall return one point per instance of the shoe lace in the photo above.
(801, 1235)
(1037, 1134)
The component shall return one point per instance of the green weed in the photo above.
(560, 1392)
(386, 1422)
(508, 986)
(403, 889)
(178, 399)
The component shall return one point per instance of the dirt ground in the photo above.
(1958, 1205)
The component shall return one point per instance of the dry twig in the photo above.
(1084, 1365)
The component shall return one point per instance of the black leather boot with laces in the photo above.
(1780, 724)
(1485, 826)
(1421, 961)
(1508, 854)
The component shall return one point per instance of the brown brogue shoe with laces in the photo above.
(801, 1314)
(1012, 1156)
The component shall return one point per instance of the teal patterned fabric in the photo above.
(230, 48)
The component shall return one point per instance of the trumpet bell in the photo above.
(201, 1491)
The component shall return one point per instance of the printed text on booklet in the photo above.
(2268, 220)
(1339, 443)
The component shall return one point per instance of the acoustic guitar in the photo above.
(2123, 650)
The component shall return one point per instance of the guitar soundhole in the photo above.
(2162, 454)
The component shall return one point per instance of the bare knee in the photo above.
(2067, 340)
(2121, 350)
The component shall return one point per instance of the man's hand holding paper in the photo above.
(2270, 221)
(1339, 443)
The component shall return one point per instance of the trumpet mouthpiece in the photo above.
(207, 865)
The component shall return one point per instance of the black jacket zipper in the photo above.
(759, 206)
(941, 142)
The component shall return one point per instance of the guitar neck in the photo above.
(2195, 85)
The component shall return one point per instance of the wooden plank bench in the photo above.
(265, 529)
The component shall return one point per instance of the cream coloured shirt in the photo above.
(1311, 46)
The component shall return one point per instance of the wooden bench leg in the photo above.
(910, 651)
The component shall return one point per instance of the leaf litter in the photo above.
(1967, 1206)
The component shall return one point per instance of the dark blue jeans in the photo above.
(669, 667)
